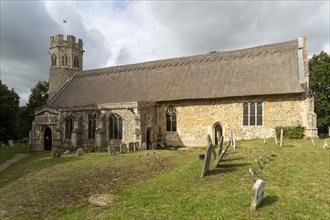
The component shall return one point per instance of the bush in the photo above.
(291, 132)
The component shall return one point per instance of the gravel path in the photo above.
(16, 158)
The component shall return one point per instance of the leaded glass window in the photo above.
(171, 119)
(115, 127)
(91, 125)
(253, 114)
(68, 127)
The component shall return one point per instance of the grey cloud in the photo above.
(123, 56)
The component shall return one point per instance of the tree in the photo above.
(9, 101)
(319, 83)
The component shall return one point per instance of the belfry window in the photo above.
(68, 127)
(170, 119)
(54, 60)
(115, 127)
(76, 62)
(64, 60)
(91, 125)
(253, 114)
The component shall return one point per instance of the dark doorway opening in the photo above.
(149, 132)
(216, 129)
(48, 139)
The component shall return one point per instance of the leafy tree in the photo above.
(319, 83)
(9, 101)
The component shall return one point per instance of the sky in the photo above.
(125, 32)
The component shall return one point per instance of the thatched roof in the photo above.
(264, 70)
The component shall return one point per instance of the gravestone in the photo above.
(161, 145)
(258, 164)
(207, 160)
(57, 153)
(130, 147)
(275, 137)
(220, 143)
(261, 160)
(102, 199)
(209, 140)
(144, 146)
(11, 143)
(325, 145)
(231, 136)
(136, 146)
(217, 161)
(123, 148)
(252, 172)
(265, 142)
(79, 152)
(111, 150)
(281, 138)
(258, 194)
(234, 142)
(218, 135)
(67, 152)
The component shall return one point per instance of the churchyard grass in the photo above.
(167, 184)
(7, 152)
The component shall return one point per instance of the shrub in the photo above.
(291, 132)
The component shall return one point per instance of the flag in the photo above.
(64, 21)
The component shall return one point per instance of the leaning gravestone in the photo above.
(209, 141)
(258, 164)
(111, 150)
(79, 152)
(67, 152)
(258, 194)
(144, 146)
(220, 143)
(217, 161)
(252, 172)
(207, 160)
(161, 145)
(123, 148)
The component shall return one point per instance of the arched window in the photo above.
(68, 127)
(170, 119)
(115, 127)
(91, 125)
(54, 60)
(76, 62)
(64, 60)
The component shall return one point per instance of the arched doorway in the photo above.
(48, 139)
(216, 129)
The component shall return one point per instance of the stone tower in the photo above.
(66, 58)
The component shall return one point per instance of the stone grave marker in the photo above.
(130, 147)
(220, 143)
(258, 194)
(144, 146)
(207, 160)
(217, 161)
(136, 146)
(218, 135)
(209, 140)
(257, 162)
(325, 145)
(11, 143)
(234, 142)
(313, 142)
(67, 152)
(281, 138)
(252, 172)
(231, 136)
(265, 142)
(123, 148)
(102, 199)
(275, 137)
(111, 150)
(57, 153)
(261, 160)
(79, 152)
(161, 145)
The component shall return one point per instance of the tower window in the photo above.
(76, 62)
(64, 60)
(115, 127)
(91, 126)
(170, 119)
(68, 127)
(54, 60)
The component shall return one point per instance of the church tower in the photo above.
(66, 58)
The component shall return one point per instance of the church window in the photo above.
(115, 127)
(252, 114)
(68, 127)
(64, 60)
(54, 60)
(91, 125)
(76, 62)
(170, 119)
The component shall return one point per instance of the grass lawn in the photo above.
(167, 184)
(8, 152)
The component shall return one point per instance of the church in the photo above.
(177, 101)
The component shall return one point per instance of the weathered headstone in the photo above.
(102, 199)
(136, 146)
(252, 172)
(281, 138)
(325, 145)
(218, 135)
(258, 164)
(275, 137)
(234, 142)
(111, 150)
(220, 143)
(67, 152)
(123, 148)
(207, 160)
(258, 194)
(313, 143)
(261, 160)
(144, 146)
(161, 145)
(130, 147)
(79, 152)
(11, 143)
(265, 142)
(231, 136)
(209, 140)
(219, 158)
(57, 153)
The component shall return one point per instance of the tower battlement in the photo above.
(60, 41)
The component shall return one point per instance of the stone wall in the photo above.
(196, 119)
